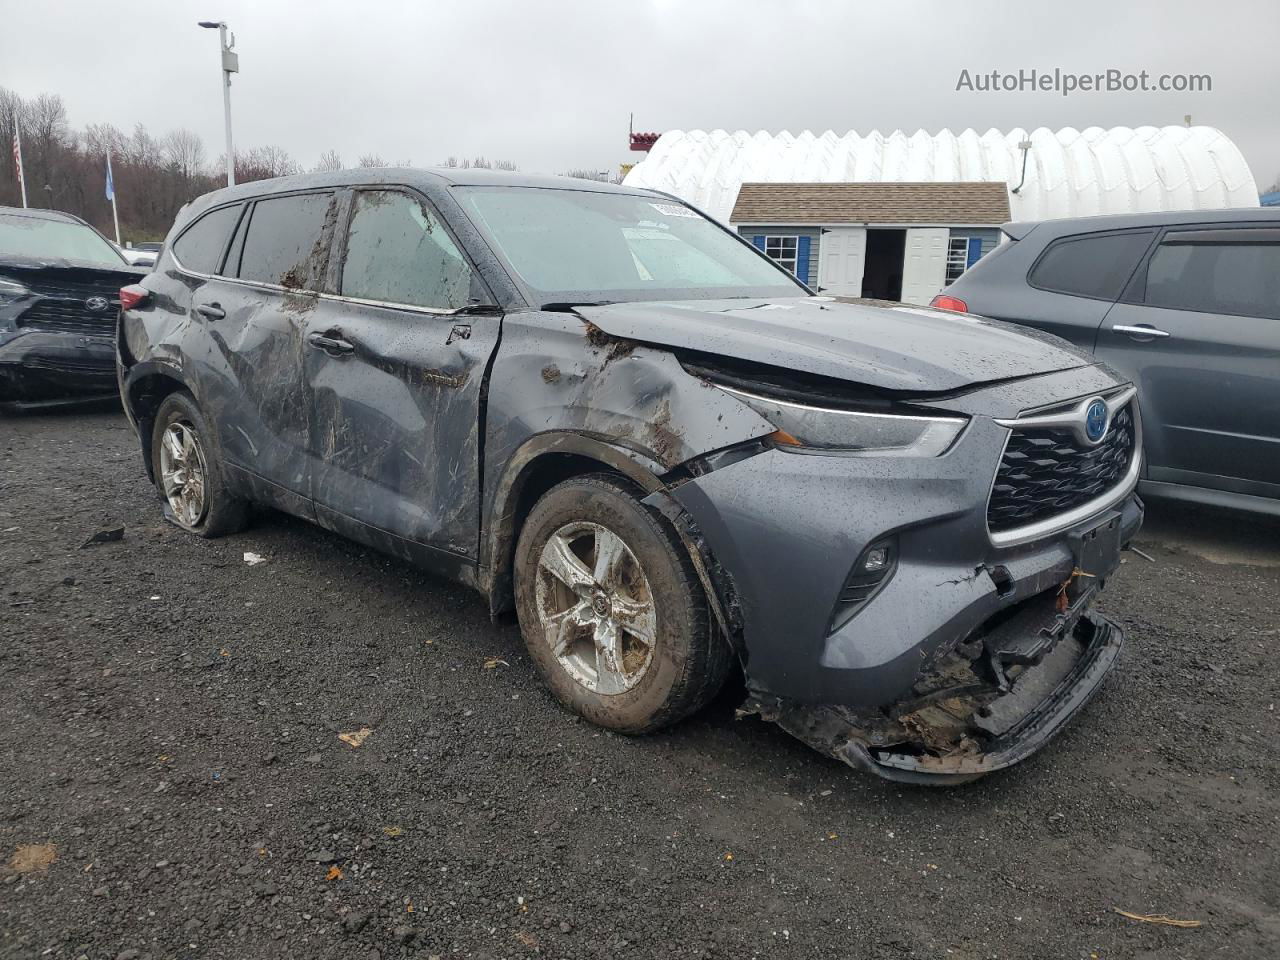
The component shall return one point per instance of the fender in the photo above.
(498, 526)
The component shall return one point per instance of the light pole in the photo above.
(230, 65)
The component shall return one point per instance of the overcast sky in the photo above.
(549, 84)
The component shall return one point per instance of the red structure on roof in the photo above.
(643, 142)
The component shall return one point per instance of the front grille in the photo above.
(61, 307)
(1047, 472)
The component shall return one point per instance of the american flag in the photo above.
(17, 163)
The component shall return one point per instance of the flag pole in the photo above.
(17, 155)
(111, 190)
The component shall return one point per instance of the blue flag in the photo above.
(111, 187)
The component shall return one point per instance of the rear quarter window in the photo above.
(201, 244)
(287, 243)
(1094, 265)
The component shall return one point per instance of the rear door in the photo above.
(256, 320)
(396, 377)
(1199, 332)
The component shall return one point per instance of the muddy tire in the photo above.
(611, 609)
(188, 474)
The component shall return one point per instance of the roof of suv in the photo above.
(435, 176)
(1124, 221)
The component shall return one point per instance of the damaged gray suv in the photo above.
(610, 414)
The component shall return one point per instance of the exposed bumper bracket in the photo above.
(1026, 722)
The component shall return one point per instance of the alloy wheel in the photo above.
(596, 608)
(183, 472)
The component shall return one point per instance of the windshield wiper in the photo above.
(561, 306)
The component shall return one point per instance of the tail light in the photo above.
(133, 295)
(945, 302)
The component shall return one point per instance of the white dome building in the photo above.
(845, 237)
(1070, 173)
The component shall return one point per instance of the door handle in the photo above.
(1140, 331)
(210, 311)
(331, 342)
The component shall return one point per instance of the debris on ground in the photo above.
(491, 662)
(33, 857)
(393, 831)
(335, 873)
(1159, 918)
(356, 737)
(111, 535)
(253, 559)
(1145, 556)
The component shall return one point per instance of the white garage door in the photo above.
(841, 253)
(925, 271)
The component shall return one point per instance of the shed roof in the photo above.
(938, 203)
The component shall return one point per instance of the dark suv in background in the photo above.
(60, 286)
(1187, 306)
(606, 411)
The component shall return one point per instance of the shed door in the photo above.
(925, 271)
(841, 252)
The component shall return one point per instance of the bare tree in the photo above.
(184, 153)
(504, 165)
(371, 160)
(262, 163)
(600, 176)
(329, 161)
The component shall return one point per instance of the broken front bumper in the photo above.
(955, 739)
(966, 658)
(39, 368)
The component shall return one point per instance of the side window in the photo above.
(287, 243)
(398, 252)
(200, 247)
(1237, 277)
(1090, 266)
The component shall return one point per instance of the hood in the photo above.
(37, 272)
(901, 348)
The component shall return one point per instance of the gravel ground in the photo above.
(171, 720)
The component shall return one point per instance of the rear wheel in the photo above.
(611, 609)
(188, 474)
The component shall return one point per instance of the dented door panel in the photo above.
(396, 419)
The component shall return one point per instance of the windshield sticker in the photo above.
(674, 210)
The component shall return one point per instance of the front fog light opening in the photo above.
(871, 571)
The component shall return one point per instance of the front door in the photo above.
(841, 254)
(924, 271)
(395, 378)
(1202, 343)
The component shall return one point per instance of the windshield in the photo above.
(580, 246)
(42, 239)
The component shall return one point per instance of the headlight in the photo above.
(11, 290)
(854, 432)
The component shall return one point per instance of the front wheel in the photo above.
(188, 474)
(611, 608)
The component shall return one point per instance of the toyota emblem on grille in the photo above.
(97, 304)
(1095, 421)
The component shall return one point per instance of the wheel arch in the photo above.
(145, 389)
(538, 465)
